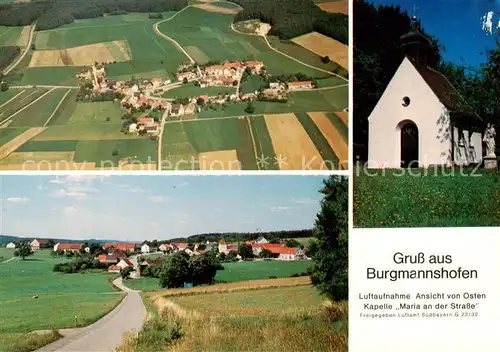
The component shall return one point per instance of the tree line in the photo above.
(243, 236)
(292, 18)
(50, 14)
(7, 55)
(377, 55)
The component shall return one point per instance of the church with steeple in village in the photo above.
(421, 120)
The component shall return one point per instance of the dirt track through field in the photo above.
(14, 97)
(217, 9)
(292, 144)
(18, 141)
(219, 160)
(254, 145)
(8, 119)
(335, 7)
(325, 46)
(57, 107)
(333, 137)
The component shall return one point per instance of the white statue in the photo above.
(489, 139)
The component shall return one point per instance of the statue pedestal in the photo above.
(490, 162)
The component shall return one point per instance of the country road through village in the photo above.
(107, 333)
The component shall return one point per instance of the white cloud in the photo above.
(70, 194)
(132, 189)
(159, 199)
(279, 208)
(247, 222)
(17, 200)
(218, 210)
(304, 201)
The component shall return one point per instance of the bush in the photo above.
(81, 263)
(336, 310)
(156, 334)
(273, 277)
(325, 59)
(250, 108)
(125, 273)
(179, 268)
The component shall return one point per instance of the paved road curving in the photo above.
(107, 333)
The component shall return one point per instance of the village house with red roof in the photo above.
(125, 247)
(35, 244)
(125, 263)
(68, 247)
(300, 85)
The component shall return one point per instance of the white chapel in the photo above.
(421, 120)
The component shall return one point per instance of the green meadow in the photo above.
(389, 198)
(239, 271)
(9, 35)
(269, 319)
(64, 300)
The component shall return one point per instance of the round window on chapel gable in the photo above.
(406, 101)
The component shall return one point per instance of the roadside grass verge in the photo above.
(389, 198)
(160, 330)
(271, 319)
(21, 342)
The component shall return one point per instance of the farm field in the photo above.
(189, 90)
(335, 6)
(21, 101)
(7, 134)
(208, 36)
(150, 55)
(9, 36)
(211, 320)
(115, 51)
(38, 113)
(257, 140)
(325, 46)
(304, 55)
(380, 199)
(85, 296)
(329, 100)
(238, 272)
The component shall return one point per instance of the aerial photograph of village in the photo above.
(131, 263)
(173, 85)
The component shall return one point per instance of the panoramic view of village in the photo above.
(177, 275)
(174, 85)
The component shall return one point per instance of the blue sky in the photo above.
(457, 23)
(135, 208)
